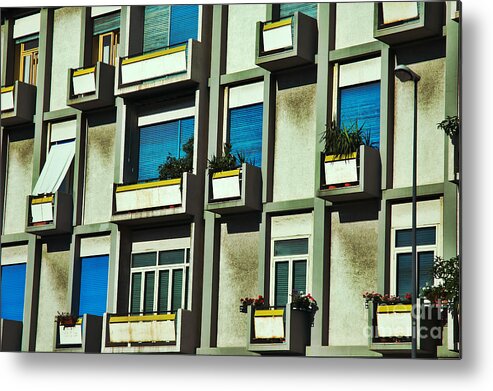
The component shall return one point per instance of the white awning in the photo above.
(55, 168)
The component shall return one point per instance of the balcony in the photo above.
(161, 71)
(167, 200)
(350, 178)
(286, 43)
(84, 336)
(10, 335)
(235, 191)
(278, 330)
(18, 104)
(400, 22)
(91, 88)
(161, 333)
(49, 214)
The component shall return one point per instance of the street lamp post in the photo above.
(404, 74)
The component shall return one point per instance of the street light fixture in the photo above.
(405, 74)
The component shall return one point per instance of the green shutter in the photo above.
(156, 27)
(287, 9)
(163, 291)
(171, 257)
(106, 23)
(290, 247)
(143, 260)
(149, 292)
(177, 289)
(135, 296)
(187, 269)
(281, 284)
(299, 276)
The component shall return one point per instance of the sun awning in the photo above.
(55, 168)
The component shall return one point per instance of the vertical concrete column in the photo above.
(31, 297)
(387, 116)
(8, 53)
(268, 127)
(113, 269)
(264, 256)
(79, 172)
(86, 32)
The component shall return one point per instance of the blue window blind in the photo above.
(106, 23)
(424, 236)
(93, 285)
(290, 247)
(156, 27)
(13, 285)
(245, 132)
(361, 103)
(287, 9)
(404, 270)
(299, 276)
(184, 23)
(159, 141)
(281, 284)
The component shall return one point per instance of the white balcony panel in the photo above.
(148, 198)
(165, 331)
(154, 67)
(42, 212)
(269, 327)
(148, 331)
(70, 335)
(399, 11)
(341, 171)
(278, 38)
(228, 187)
(84, 84)
(8, 101)
(394, 324)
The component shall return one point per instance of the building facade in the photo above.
(96, 99)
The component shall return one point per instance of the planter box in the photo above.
(91, 88)
(160, 71)
(235, 191)
(18, 103)
(278, 331)
(400, 22)
(353, 178)
(171, 332)
(49, 214)
(167, 199)
(286, 43)
(85, 336)
(10, 335)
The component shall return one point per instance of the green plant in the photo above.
(227, 161)
(257, 303)
(175, 167)
(450, 126)
(345, 140)
(302, 302)
(434, 293)
(66, 319)
(448, 270)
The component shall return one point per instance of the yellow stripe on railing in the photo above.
(274, 25)
(79, 321)
(226, 174)
(141, 318)
(148, 185)
(81, 72)
(42, 200)
(269, 313)
(7, 89)
(148, 56)
(394, 308)
(333, 158)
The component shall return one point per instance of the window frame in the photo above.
(114, 37)
(33, 55)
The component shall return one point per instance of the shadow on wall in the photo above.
(361, 211)
(58, 243)
(243, 223)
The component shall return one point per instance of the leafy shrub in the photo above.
(175, 167)
(345, 140)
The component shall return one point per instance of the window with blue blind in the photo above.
(159, 141)
(404, 270)
(287, 9)
(361, 103)
(93, 285)
(13, 284)
(245, 132)
(184, 23)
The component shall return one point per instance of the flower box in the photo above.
(83, 336)
(18, 103)
(49, 214)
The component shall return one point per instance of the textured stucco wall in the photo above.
(100, 161)
(354, 24)
(52, 295)
(66, 47)
(295, 133)
(431, 106)
(18, 184)
(238, 277)
(353, 267)
(242, 21)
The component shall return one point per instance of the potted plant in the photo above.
(306, 303)
(257, 303)
(175, 167)
(66, 319)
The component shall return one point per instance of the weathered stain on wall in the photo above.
(356, 18)
(238, 277)
(66, 50)
(295, 133)
(18, 184)
(353, 267)
(52, 295)
(100, 162)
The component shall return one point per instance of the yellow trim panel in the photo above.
(148, 185)
(81, 72)
(394, 308)
(269, 313)
(148, 56)
(226, 174)
(7, 89)
(274, 25)
(141, 318)
(43, 200)
(335, 158)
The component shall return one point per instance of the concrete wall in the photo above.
(354, 24)
(3, 31)
(100, 161)
(18, 184)
(238, 278)
(295, 133)
(431, 106)
(66, 48)
(353, 266)
(242, 22)
(52, 294)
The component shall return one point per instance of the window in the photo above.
(106, 37)
(13, 283)
(159, 281)
(287, 9)
(168, 25)
(93, 285)
(426, 250)
(27, 59)
(289, 269)
(157, 141)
